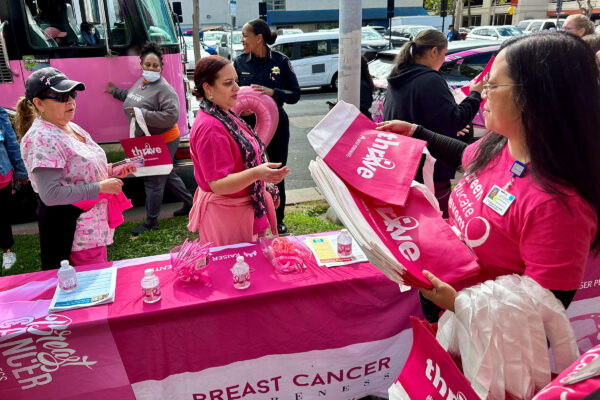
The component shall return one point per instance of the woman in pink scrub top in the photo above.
(65, 166)
(236, 196)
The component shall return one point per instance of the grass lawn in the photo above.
(300, 218)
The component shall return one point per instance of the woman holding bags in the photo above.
(159, 105)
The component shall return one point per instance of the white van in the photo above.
(314, 57)
(537, 25)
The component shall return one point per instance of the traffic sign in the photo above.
(232, 8)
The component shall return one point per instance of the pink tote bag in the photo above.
(157, 159)
(377, 163)
(429, 372)
(419, 239)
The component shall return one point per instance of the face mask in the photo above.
(151, 76)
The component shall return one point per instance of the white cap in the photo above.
(345, 230)
(149, 272)
(64, 263)
(240, 259)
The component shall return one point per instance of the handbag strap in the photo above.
(139, 118)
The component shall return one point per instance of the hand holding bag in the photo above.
(157, 159)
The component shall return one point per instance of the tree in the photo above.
(587, 9)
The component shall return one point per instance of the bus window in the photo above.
(66, 23)
(157, 21)
(118, 31)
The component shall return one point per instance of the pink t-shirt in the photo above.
(6, 179)
(46, 145)
(215, 152)
(544, 236)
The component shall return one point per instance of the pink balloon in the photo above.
(265, 109)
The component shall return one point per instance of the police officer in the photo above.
(271, 73)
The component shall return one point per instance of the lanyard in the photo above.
(518, 170)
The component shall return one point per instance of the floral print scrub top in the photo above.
(46, 145)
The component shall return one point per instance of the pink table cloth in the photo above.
(341, 333)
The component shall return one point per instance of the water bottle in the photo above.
(67, 278)
(150, 287)
(344, 244)
(241, 274)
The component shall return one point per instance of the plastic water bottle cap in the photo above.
(64, 263)
(344, 230)
(149, 272)
(240, 259)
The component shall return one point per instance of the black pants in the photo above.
(277, 151)
(6, 237)
(57, 229)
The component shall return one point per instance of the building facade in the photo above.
(483, 12)
(308, 15)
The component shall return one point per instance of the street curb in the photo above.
(293, 196)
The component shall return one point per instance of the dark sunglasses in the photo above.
(61, 98)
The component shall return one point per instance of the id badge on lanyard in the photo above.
(499, 199)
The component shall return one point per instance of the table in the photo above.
(338, 333)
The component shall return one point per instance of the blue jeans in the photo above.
(155, 188)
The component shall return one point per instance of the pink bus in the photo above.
(102, 43)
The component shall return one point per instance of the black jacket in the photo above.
(420, 95)
(273, 71)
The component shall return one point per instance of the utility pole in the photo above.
(349, 59)
(196, 28)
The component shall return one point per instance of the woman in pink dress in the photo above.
(236, 196)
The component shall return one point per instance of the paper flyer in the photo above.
(324, 249)
(93, 288)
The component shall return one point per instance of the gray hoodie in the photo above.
(157, 100)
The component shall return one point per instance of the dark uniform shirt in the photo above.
(273, 71)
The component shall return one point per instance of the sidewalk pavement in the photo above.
(139, 213)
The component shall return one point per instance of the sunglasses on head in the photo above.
(62, 97)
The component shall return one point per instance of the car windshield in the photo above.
(212, 35)
(370, 35)
(509, 31)
(414, 31)
(380, 68)
(523, 24)
(236, 38)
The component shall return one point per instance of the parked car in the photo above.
(536, 25)
(191, 62)
(372, 42)
(223, 46)
(378, 28)
(405, 33)
(288, 31)
(314, 57)
(212, 38)
(236, 43)
(502, 32)
(464, 61)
